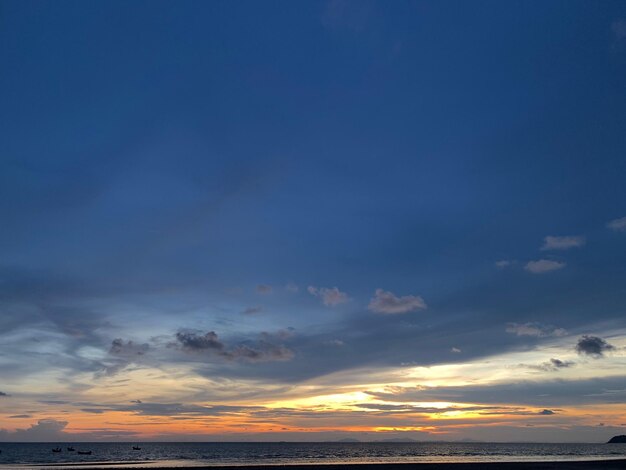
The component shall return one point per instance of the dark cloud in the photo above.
(251, 310)
(46, 430)
(194, 342)
(2, 394)
(264, 349)
(593, 346)
(20, 416)
(53, 430)
(261, 352)
(559, 364)
(128, 348)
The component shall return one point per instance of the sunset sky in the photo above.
(312, 220)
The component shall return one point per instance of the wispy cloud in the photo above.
(619, 28)
(504, 263)
(389, 303)
(543, 266)
(537, 330)
(292, 287)
(121, 348)
(252, 310)
(264, 289)
(619, 225)
(563, 242)
(550, 366)
(330, 296)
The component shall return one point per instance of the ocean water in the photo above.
(15, 455)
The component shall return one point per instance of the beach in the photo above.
(606, 464)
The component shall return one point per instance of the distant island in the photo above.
(618, 440)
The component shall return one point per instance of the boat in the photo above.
(87, 452)
(136, 448)
(56, 449)
(70, 449)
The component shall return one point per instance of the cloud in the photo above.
(2, 394)
(264, 289)
(539, 393)
(194, 342)
(393, 408)
(388, 303)
(619, 225)
(262, 350)
(455, 350)
(543, 266)
(46, 430)
(251, 310)
(563, 243)
(534, 329)
(503, 263)
(330, 296)
(552, 365)
(559, 364)
(169, 409)
(619, 28)
(593, 346)
(128, 348)
(291, 287)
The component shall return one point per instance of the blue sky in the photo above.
(328, 187)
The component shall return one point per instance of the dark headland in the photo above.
(618, 439)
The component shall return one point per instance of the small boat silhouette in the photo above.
(87, 452)
(70, 449)
(57, 449)
(136, 448)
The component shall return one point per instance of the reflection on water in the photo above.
(192, 454)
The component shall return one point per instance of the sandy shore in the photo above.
(580, 465)
(559, 465)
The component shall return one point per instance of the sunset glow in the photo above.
(319, 221)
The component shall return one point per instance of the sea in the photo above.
(161, 454)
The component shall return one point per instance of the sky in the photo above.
(313, 220)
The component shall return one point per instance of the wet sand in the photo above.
(612, 464)
(558, 465)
